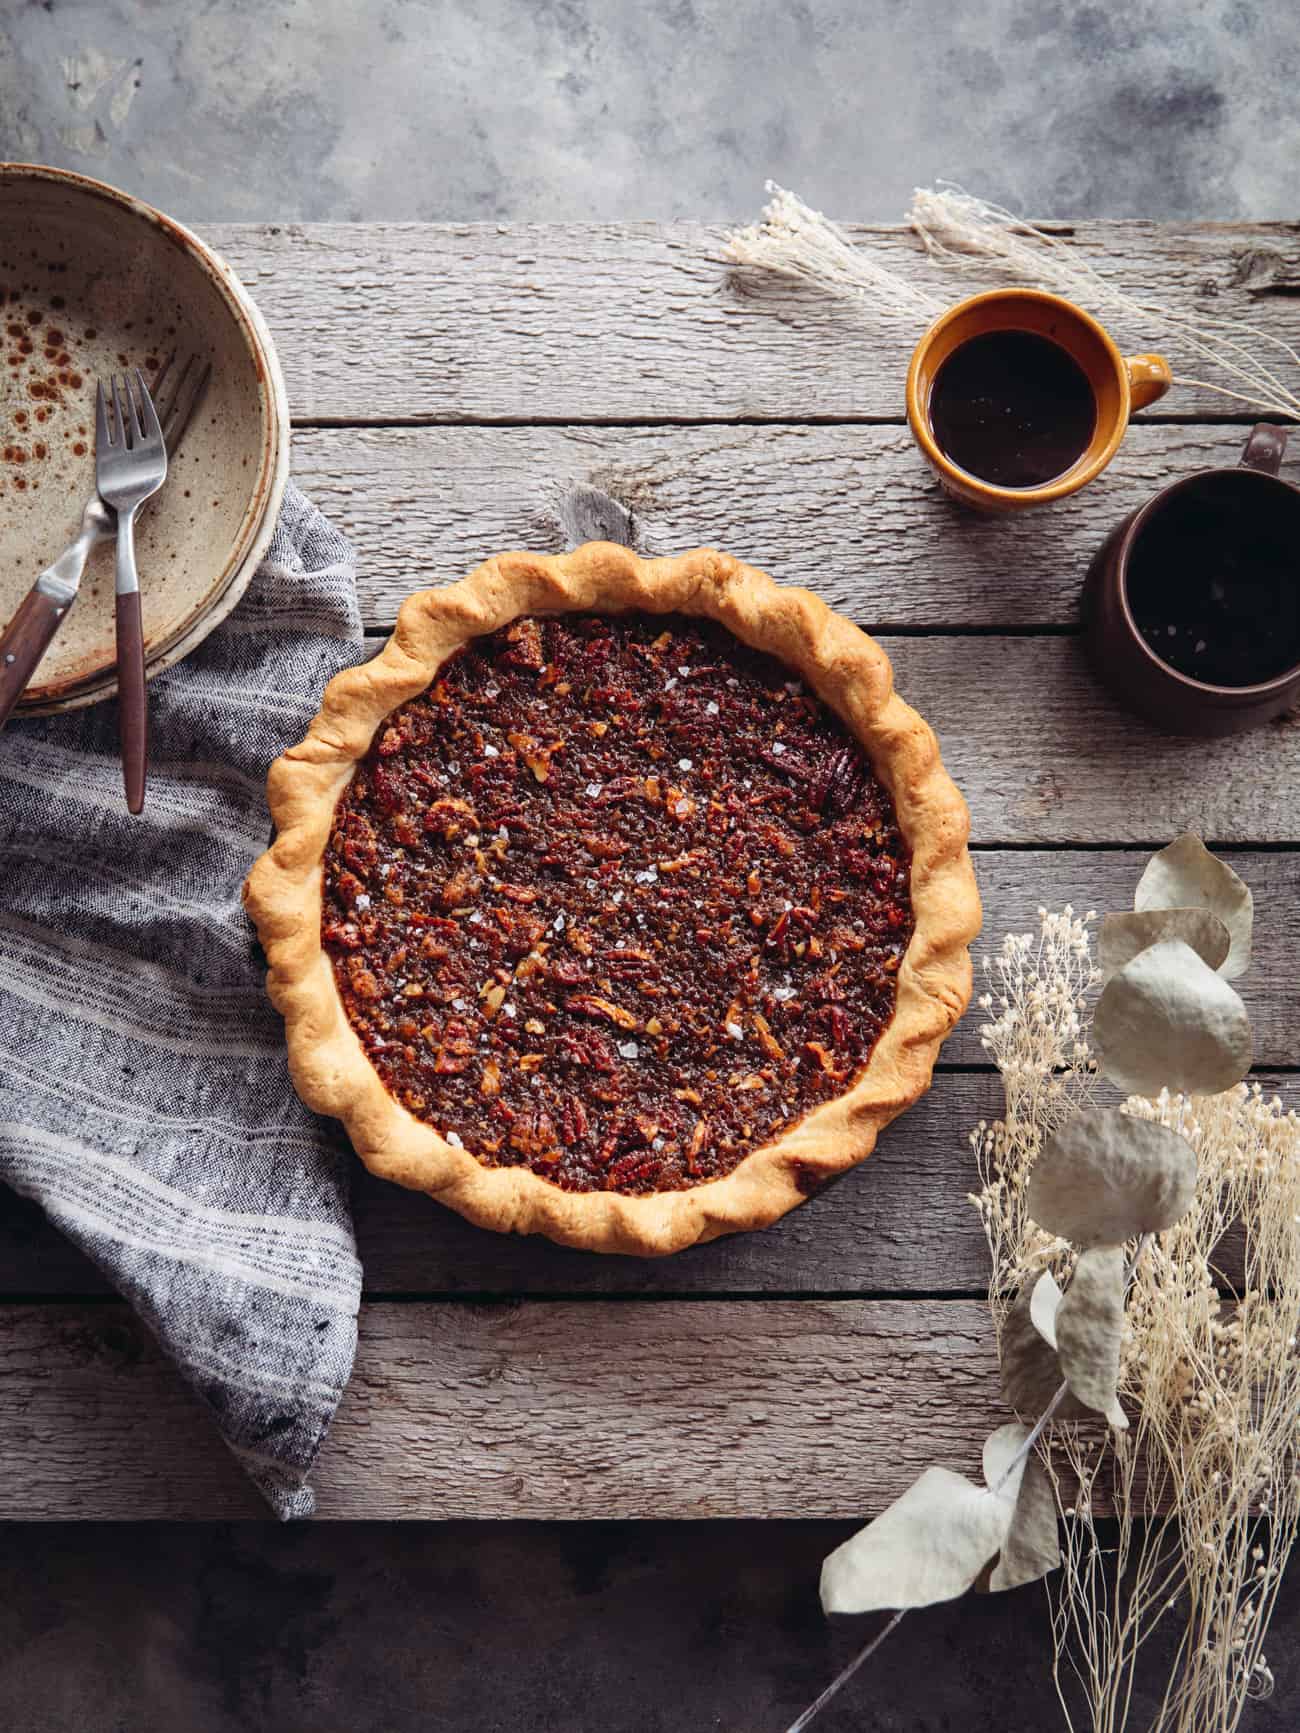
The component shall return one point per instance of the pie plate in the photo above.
(618, 900)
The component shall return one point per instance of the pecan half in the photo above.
(591, 1005)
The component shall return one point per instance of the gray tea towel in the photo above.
(144, 1099)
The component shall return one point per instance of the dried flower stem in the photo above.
(955, 227)
(801, 244)
(797, 243)
(841, 1679)
(1036, 1432)
(1210, 1374)
(1212, 1386)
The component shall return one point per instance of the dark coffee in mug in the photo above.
(1013, 408)
(1213, 581)
(1191, 607)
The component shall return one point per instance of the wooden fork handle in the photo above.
(23, 642)
(132, 703)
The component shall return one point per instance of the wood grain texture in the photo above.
(645, 321)
(901, 1224)
(851, 512)
(1045, 755)
(591, 1409)
(614, 1403)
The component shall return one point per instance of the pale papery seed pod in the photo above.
(1249, 1149)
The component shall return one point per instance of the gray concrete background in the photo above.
(550, 109)
(555, 109)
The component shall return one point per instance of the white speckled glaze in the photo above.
(92, 281)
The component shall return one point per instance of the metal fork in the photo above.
(30, 632)
(130, 466)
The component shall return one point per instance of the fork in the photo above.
(39, 615)
(130, 467)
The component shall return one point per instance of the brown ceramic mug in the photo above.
(1192, 606)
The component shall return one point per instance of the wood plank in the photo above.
(645, 321)
(1046, 755)
(677, 1409)
(899, 1225)
(850, 511)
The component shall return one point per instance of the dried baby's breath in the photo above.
(1036, 990)
(1205, 1484)
(1210, 1376)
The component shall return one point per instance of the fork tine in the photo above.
(125, 427)
(185, 398)
(103, 432)
(166, 386)
(160, 377)
(132, 397)
(146, 413)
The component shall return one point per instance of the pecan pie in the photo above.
(617, 900)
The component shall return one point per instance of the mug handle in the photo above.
(1149, 377)
(1264, 448)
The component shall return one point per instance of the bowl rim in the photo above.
(258, 524)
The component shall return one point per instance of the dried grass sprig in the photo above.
(799, 243)
(1246, 364)
(956, 227)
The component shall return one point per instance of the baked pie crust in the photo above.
(842, 667)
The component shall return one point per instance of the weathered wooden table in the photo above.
(451, 387)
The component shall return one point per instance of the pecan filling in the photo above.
(617, 900)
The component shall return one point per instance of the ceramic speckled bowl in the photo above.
(92, 281)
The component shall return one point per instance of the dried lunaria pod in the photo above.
(1124, 936)
(1074, 1337)
(1168, 1021)
(1212, 1398)
(1031, 1372)
(1105, 1177)
(1186, 875)
(1032, 1546)
(1090, 1329)
(931, 1544)
(1044, 1302)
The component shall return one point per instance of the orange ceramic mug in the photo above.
(1119, 385)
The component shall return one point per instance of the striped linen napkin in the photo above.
(144, 1100)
